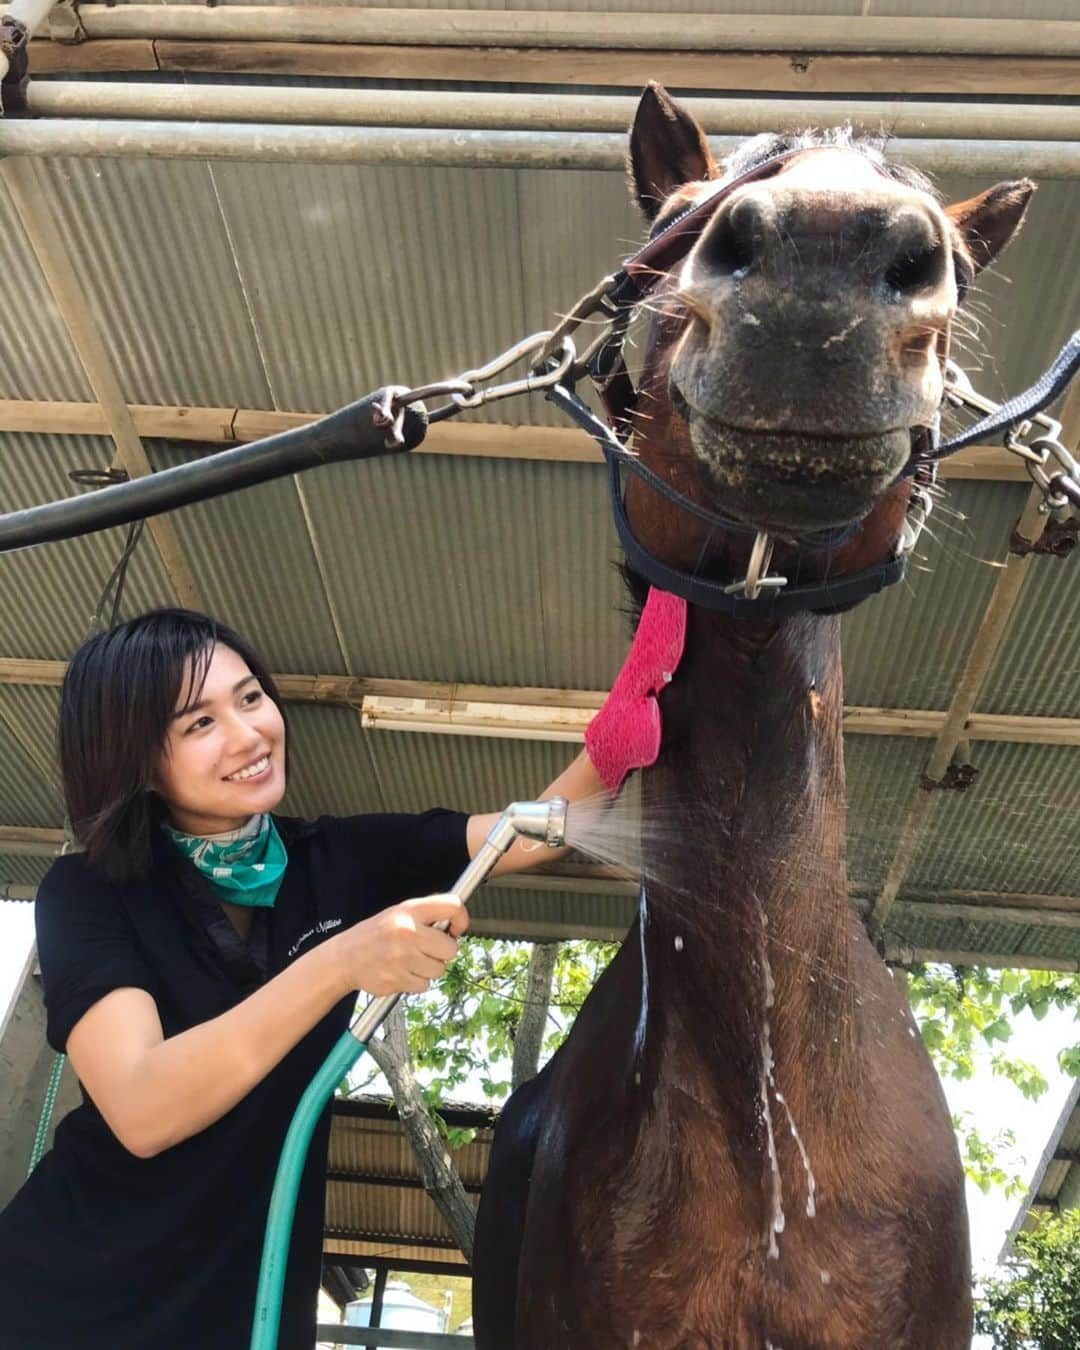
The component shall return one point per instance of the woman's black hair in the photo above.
(121, 692)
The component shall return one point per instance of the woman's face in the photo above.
(224, 758)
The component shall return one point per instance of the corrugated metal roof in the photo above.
(26, 796)
(158, 272)
(1016, 829)
(254, 562)
(907, 649)
(22, 871)
(50, 594)
(487, 571)
(1037, 670)
(374, 1152)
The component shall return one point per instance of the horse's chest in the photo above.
(684, 1230)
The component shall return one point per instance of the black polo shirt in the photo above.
(101, 1250)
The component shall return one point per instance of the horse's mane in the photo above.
(637, 592)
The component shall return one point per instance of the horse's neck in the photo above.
(748, 917)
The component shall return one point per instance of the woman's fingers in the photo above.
(432, 909)
(424, 968)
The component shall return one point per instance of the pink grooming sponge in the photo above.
(625, 733)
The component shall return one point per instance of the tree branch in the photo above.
(529, 1035)
(441, 1180)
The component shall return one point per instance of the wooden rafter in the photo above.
(817, 73)
(559, 714)
(217, 427)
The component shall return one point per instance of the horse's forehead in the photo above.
(834, 169)
(841, 169)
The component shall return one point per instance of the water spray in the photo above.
(544, 822)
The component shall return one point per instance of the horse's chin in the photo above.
(794, 481)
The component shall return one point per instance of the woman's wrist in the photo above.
(332, 970)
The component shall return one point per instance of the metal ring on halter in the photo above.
(756, 578)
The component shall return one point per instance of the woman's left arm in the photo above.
(576, 783)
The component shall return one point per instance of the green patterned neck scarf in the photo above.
(244, 866)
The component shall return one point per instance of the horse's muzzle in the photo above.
(790, 480)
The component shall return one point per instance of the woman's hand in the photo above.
(398, 951)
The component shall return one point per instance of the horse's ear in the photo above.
(667, 149)
(987, 222)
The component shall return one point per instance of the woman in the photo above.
(200, 957)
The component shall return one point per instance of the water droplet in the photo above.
(678, 944)
(637, 1080)
(825, 1277)
(637, 1337)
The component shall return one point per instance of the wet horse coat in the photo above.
(743, 1142)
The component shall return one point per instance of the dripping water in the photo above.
(777, 1222)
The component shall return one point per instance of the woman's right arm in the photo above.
(154, 1092)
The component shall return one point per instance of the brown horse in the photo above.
(743, 1142)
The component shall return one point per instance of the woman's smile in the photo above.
(252, 772)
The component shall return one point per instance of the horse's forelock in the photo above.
(760, 149)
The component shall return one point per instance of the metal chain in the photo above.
(553, 355)
(1049, 464)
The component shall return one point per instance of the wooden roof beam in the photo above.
(537, 713)
(214, 427)
(519, 60)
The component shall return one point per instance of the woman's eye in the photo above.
(253, 696)
(199, 723)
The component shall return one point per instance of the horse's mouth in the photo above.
(795, 480)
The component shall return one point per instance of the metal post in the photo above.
(377, 1297)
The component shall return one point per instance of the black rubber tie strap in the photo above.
(1049, 387)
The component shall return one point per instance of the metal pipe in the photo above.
(561, 29)
(544, 821)
(31, 14)
(460, 149)
(534, 112)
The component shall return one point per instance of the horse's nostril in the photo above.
(732, 243)
(916, 269)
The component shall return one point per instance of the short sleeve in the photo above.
(399, 857)
(86, 946)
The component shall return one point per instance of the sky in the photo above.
(995, 1103)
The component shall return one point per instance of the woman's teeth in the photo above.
(252, 771)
